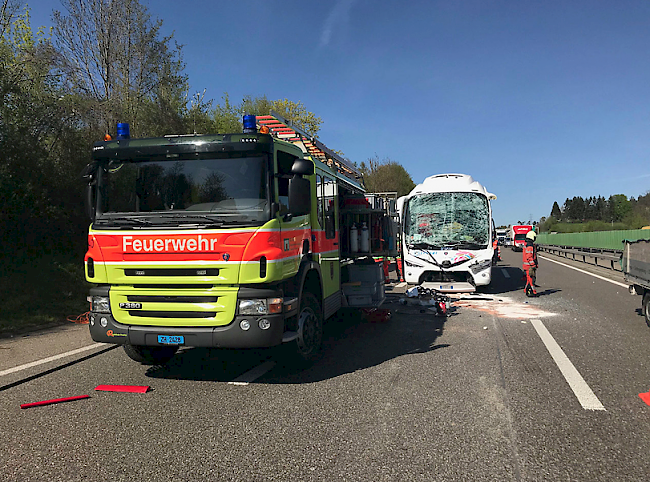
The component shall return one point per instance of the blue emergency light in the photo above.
(250, 124)
(123, 131)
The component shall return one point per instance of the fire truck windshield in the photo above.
(448, 219)
(225, 189)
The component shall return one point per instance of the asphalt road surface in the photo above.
(504, 389)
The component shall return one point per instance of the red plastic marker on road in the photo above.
(56, 400)
(645, 397)
(123, 388)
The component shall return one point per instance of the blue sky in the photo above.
(537, 100)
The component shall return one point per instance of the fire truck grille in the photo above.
(172, 272)
(171, 299)
(166, 306)
(172, 314)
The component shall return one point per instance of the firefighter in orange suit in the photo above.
(530, 263)
(497, 252)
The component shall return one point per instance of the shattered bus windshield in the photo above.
(447, 219)
(233, 190)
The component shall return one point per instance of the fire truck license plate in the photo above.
(171, 339)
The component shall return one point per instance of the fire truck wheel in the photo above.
(310, 327)
(150, 355)
(646, 307)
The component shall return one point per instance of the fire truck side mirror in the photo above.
(90, 201)
(88, 174)
(299, 196)
(301, 167)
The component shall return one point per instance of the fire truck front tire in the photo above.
(310, 327)
(150, 355)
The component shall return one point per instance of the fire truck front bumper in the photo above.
(243, 332)
(231, 336)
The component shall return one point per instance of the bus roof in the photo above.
(451, 183)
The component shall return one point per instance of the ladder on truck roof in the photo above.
(285, 129)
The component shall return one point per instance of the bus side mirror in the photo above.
(299, 196)
(400, 204)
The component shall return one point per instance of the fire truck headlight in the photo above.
(252, 307)
(100, 304)
(244, 325)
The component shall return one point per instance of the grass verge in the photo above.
(41, 292)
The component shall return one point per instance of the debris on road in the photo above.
(376, 315)
(123, 388)
(55, 400)
(506, 308)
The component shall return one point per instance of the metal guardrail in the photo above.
(609, 258)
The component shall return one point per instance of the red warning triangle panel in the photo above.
(123, 388)
(645, 397)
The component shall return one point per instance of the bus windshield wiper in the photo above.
(423, 245)
(471, 245)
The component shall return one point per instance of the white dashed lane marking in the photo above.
(253, 374)
(505, 272)
(51, 359)
(585, 395)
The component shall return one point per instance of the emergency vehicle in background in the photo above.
(447, 232)
(501, 236)
(518, 234)
(227, 240)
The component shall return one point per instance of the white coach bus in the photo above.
(447, 232)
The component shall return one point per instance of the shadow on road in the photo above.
(548, 292)
(506, 279)
(350, 343)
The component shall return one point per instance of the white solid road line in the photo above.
(51, 358)
(586, 272)
(585, 395)
(253, 374)
(505, 272)
(400, 285)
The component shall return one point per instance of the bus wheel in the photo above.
(310, 327)
(646, 307)
(150, 355)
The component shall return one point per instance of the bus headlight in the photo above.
(100, 304)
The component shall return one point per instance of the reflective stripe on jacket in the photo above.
(530, 256)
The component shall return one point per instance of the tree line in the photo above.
(600, 213)
(63, 88)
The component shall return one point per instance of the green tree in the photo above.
(619, 207)
(386, 175)
(33, 120)
(113, 55)
(556, 212)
